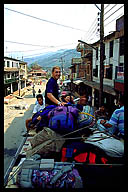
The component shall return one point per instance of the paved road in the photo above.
(14, 125)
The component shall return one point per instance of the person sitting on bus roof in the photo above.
(116, 123)
(37, 108)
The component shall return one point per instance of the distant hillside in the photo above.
(54, 58)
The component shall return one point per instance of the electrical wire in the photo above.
(93, 33)
(97, 7)
(106, 6)
(29, 44)
(91, 26)
(41, 54)
(44, 20)
(114, 12)
(114, 19)
(39, 49)
(110, 9)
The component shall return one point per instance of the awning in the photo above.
(95, 85)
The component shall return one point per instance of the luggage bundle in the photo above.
(46, 173)
(45, 142)
(63, 119)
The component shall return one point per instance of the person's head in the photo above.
(40, 99)
(65, 97)
(68, 98)
(102, 108)
(83, 100)
(56, 72)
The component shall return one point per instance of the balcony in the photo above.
(12, 80)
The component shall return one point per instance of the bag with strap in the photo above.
(44, 117)
(46, 173)
(63, 119)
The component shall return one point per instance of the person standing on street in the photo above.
(34, 92)
(52, 89)
(39, 91)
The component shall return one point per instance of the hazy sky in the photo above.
(23, 29)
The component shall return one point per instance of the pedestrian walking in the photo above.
(39, 91)
(34, 92)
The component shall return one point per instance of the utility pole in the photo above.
(19, 80)
(62, 67)
(101, 54)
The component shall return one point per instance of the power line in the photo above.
(45, 20)
(92, 33)
(114, 12)
(39, 49)
(27, 44)
(114, 19)
(106, 6)
(91, 26)
(110, 9)
(97, 7)
(91, 29)
(41, 54)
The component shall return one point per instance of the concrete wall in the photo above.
(115, 60)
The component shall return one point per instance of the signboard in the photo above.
(120, 75)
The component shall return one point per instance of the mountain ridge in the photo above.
(50, 59)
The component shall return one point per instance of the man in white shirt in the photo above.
(39, 105)
(37, 108)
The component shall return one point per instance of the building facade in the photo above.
(113, 81)
(36, 75)
(15, 75)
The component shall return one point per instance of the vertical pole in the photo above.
(19, 81)
(101, 54)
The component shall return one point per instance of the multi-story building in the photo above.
(23, 73)
(37, 74)
(15, 75)
(76, 68)
(113, 81)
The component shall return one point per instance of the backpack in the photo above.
(44, 120)
(63, 119)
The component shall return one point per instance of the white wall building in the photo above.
(14, 70)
